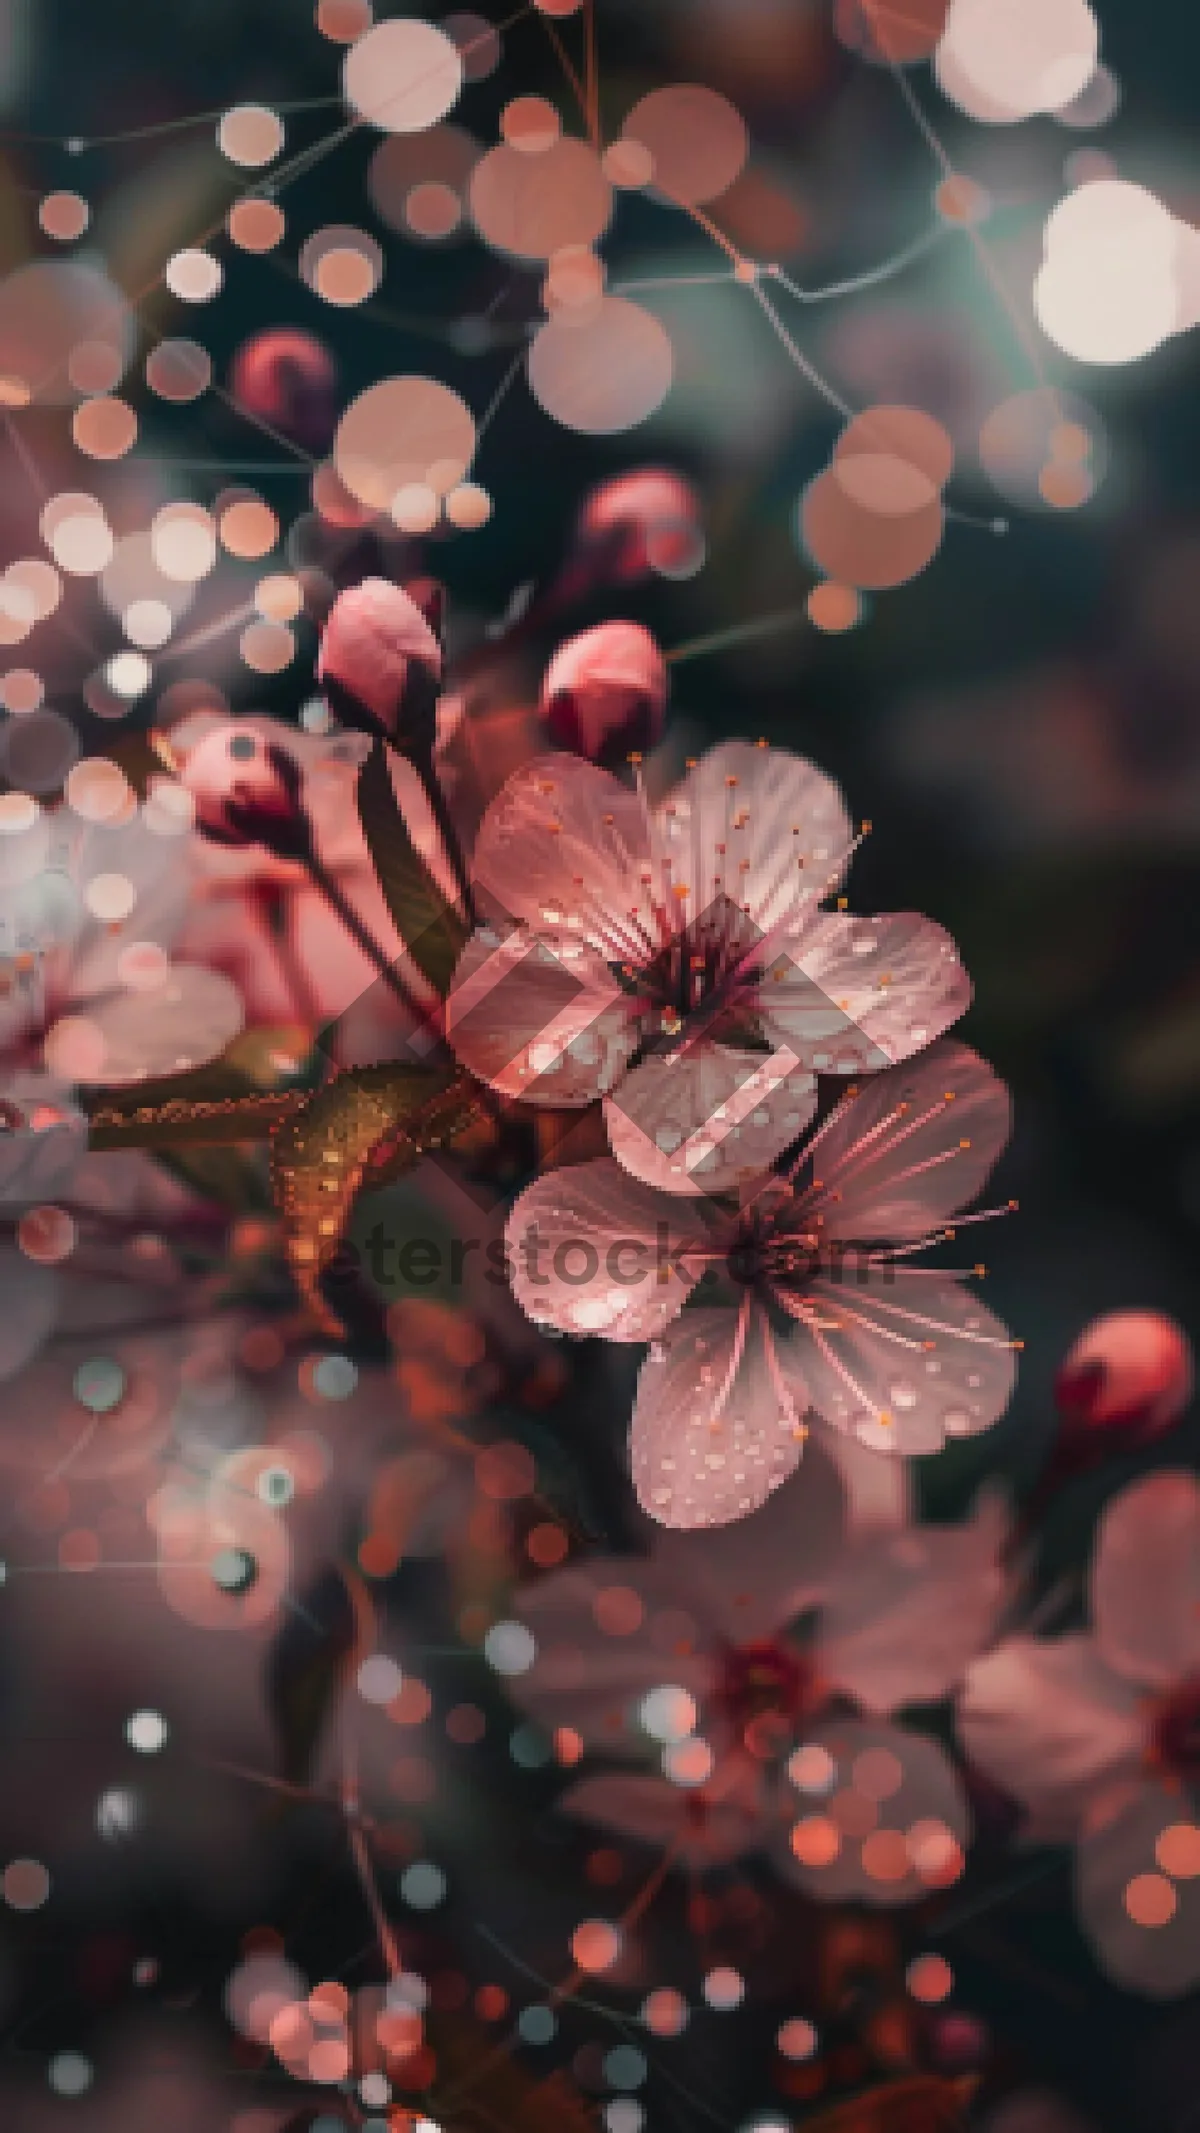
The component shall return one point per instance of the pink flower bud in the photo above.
(286, 378)
(381, 663)
(247, 791)
(1130, 1374)
(655, 516)
(605, 693)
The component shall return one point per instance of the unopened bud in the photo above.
(605, 693)
(380, 664)
(1129, 1376)
(248, 791)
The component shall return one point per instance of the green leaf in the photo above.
(431, 929)
(365, 1129)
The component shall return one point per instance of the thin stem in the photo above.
(339, 903)
(431, 785)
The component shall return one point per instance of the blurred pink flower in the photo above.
(656, 950)
(1097, 1734)
(652, 515)
(691, 1659)
(831, 1321)
(91, 915)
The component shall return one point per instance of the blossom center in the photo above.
(765, 1690)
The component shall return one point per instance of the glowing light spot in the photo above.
(603, 369)
(530, 124)
(468, 507)
(75, 1049)
(25, 1884)
(179, 370)
(379, 1679)
(812, 1769)
(509, 1648)
(930, 1979)
(250, 135)
(194, 276)
(797, 2039)
(595, 1946)
(46, 1235)
(183, 542)
(404, 432)
(403, 76)
(816, 1841)
(665, 2012)
(695, 138)
(668, 1713)
(129, 675)
(147, 1732)
(1178, 1851)
(248, 528)
(1151, 1901)
(110, 897)
(834, 608)
(64, 216)
(724, 1989)
(256, 225)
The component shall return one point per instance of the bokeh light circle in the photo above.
(401, 432)
(403, 76)
(604, 369)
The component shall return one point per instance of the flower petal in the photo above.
(904, 1618)
(753, 1577)
(32, 1296)
(1146, 1580)
(1144, 1922)
(878, 1815)
(563, 847)
(912, 1146)
(706, 1119)
(539, 1019)
(851, 995)
(709, 1439)
(764, 827)
(710, 1826)
(592, 1251)
(186, 1021)
(878, 1488)
(45, 1142)
(903, 1361)
(601, 1649)
(1051, 1725)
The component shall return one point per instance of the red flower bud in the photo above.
(1130, 1374)
(605, 693)
(381, 663)
(287, 379)
(247, 791)
(654, 516)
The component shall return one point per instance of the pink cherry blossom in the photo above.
(733, 1727)
(91, 915)
(833, 1324)
(605, 693)
(1097, 1734)
(676, 960)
